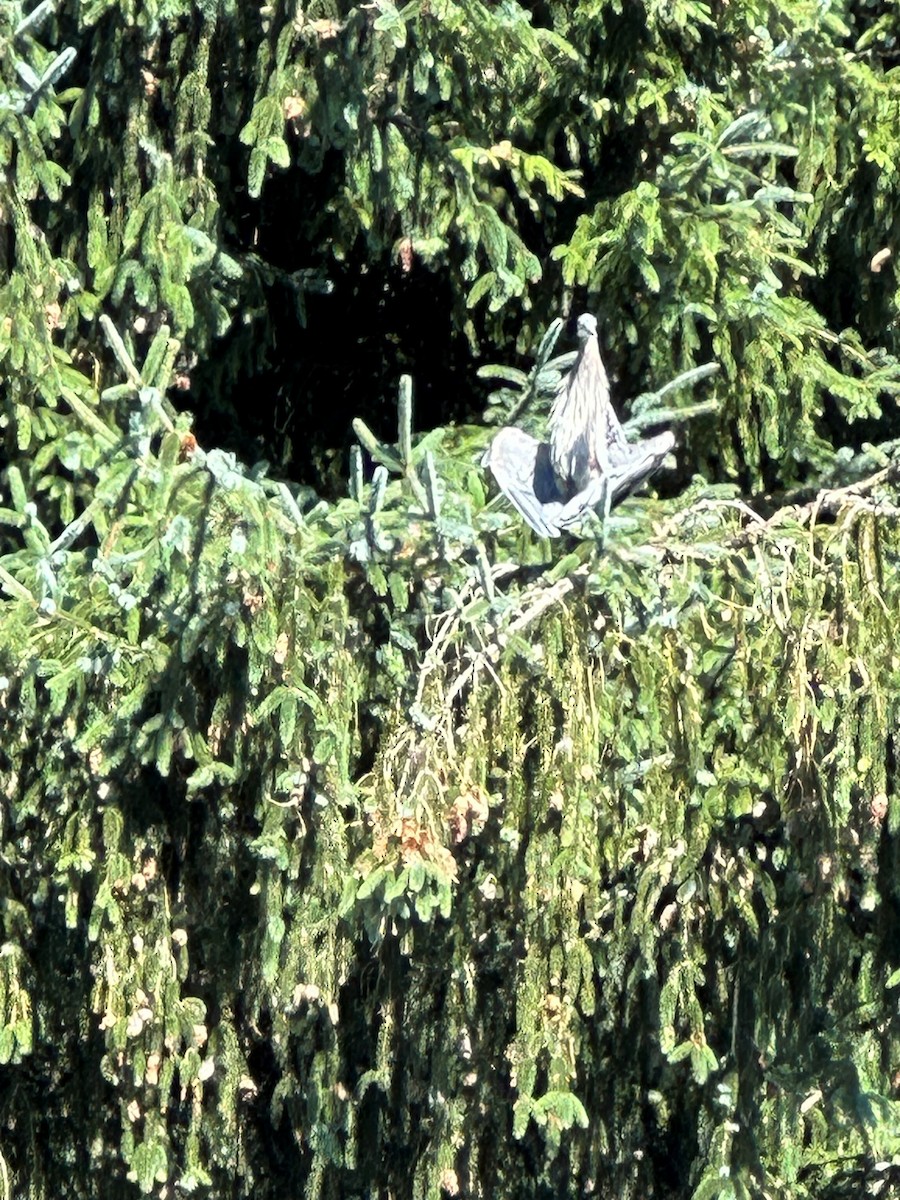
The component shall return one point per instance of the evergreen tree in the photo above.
(355, 842)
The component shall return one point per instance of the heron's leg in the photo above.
(582, 502)
(604, 504)
(593, 502)
(607, 498)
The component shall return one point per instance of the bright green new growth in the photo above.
(354, 848)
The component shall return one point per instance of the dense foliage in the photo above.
(365, 845)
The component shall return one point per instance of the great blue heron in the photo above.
(587, 462)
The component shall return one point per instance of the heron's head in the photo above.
(586, 327)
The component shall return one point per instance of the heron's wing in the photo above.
(638, 462)
(617, 445)
(618, 448)
(627, 463)
(521, 466)
(643, 459)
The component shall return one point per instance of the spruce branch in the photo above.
(90, 418)
(404, 420)
(157, 366)
(57, 68)
(126, 362)
(290, 503)
(37, 85)
(356, 474)
(11, 585)
(670, 416)
(649, 400)
(400, 461)
(75, 528)
(431, 486)
(28, 77)
(377, 449)
(150, 397)
(379, 488)
(484, 571)
(35, 18)
(535, 383)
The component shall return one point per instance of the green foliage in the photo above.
(613, 819)
(718, 177)
(358, 847)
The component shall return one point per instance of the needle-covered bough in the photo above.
(588, 462)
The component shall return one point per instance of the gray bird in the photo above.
(587, 462)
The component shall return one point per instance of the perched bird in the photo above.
(588, 460)
(582, 422)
